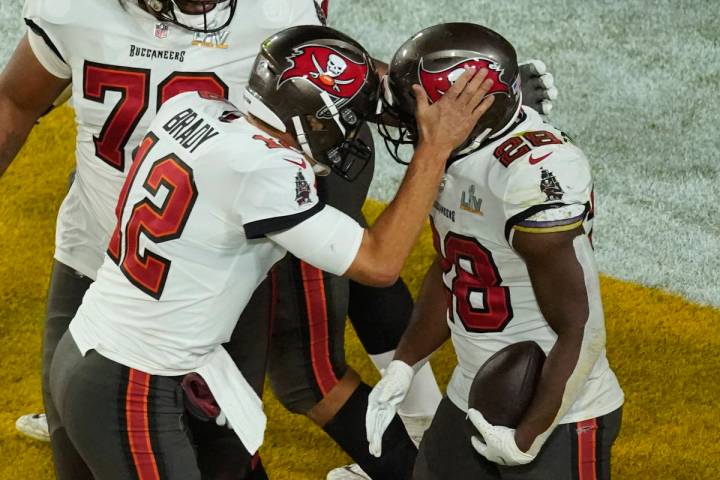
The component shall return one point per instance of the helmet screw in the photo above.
(349, 116)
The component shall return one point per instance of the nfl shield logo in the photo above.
(161, 30)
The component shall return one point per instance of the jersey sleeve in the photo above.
(277, 196)
(329, 240)
(44, 40)
(551, 196)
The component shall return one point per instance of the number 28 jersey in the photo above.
(531, 179)
(124, 64)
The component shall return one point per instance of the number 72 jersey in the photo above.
(531, 179)
(124, 65)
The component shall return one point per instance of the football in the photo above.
(504, 386)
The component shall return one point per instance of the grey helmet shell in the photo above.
(435, 57)
(321, 86)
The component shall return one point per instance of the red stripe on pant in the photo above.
(138, 425)
(316, 305)
(587, 437)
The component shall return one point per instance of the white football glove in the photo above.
(383, 402)
(499, 442)
(538, 86)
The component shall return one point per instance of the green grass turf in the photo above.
(663, 348)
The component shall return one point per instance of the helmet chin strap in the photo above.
(194, 20)
(477, 141)
(510, 123)
(301, 137)
(200, 22)
(332, 108)
(318, 168)
(321, 169)
(386, 93)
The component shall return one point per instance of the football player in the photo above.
(511, 225)
(212, 200)
(124, 69)
(151, 51)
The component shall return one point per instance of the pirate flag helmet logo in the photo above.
(437, 82)
(320, 86)
(329, 70)
(435, 58)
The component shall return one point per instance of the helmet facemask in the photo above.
(334, 142)
(395, 128)
(213, 15)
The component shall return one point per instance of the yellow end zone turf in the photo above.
(665, 350)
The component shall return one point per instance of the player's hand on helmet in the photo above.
(538, 86)
(448, 122)
(383, 402)
(497, 443)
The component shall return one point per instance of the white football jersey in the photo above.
(189, 246)
(124, 65)
(210, 203)
(531, 179)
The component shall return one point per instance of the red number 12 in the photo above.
(148, 271)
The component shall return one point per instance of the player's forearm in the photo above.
(27, 90)
(566, 286)
(428, 328)
(389, 241)
(15, 125)
(545, 407)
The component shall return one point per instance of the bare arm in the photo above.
(443, 126)
(387, 244)
(428, 328)
(27, 90)
(559, 284)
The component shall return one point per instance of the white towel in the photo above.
(236, 398)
